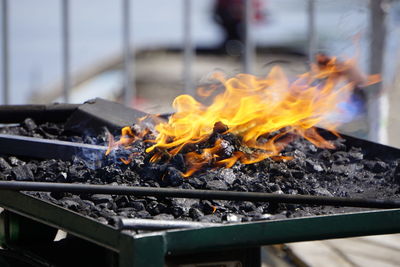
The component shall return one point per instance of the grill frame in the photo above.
(154, 249)
(151, 249)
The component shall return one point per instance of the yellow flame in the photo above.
(252, 108)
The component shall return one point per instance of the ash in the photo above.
(343, 172)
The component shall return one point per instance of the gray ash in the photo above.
(345, 172)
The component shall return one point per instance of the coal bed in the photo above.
(346, 171)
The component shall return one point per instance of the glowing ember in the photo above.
(264, 113)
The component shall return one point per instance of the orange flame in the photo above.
(252, 108)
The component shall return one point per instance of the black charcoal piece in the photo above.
(377, 166)
(4, 165)
(143, 214)
(195, 213)
(155, 208)
(196, 182)
(15, 162)
(322, 192)
(22, 173)
(176, 211)
(100, 198)
(138, 205)
(70, 204)
(29, 124)
(297, 174)
(173, 177)
(216, 185)
(121, 201)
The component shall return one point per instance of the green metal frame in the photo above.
(152, 249)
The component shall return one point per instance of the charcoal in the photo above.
(15, 162)
(100, 198)
(216, 185)
(227, 175)
(155, 208)
(185, 203)
(70, 204)
(196, 182)
(143, 214)
(321, 191)
(247, 206)
(207, 207)
(4, 166)
(22, 173)
(29, 125)
(342, 172)
(51, 129)
(176, 211)
(340, 157)
(121, 201)
(376, 166)
(232, 218)
(355, 154)
(61, 177)
(195, 213)
(179, 162)
(126, 212)
(173, 177)
(297, 174)
(313, 166)
(138, 205)
(4, 176)
(164, 216)
(396, 174)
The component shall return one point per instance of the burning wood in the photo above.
(260, 116)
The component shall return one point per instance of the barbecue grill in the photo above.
(29, 224)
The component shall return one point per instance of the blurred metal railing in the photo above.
(65, 49)
(129, 90)
(5, 52)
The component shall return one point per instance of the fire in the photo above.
(265, 113)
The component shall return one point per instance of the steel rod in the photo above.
(312, 35)
(188, 53)
(200, 194)
(65, 50)
(5, 52)
(46, 148)
(248, 58)
(152, 225)
(129, 92)
(377, 132)
(39, 113)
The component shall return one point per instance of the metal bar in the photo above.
(312, 38)
(129, 84)
(249, 48)
(278, 231)
(46, 148)
(152, 225)
(65, 50)
(189, 52)
(200, 194)
(378, 39)
(39, 113)
(61, 218)
(5, 52)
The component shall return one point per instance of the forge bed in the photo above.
(357, 168)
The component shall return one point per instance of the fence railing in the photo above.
(377, 27)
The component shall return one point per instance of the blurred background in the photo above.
(146, 52)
